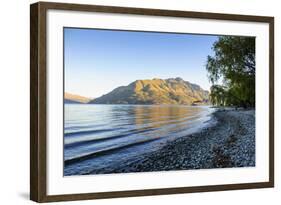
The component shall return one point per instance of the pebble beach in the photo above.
(229, 142)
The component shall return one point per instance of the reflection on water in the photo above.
(98, 136)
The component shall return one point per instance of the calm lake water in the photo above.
(98, 137)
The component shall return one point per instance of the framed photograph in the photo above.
(134, 102)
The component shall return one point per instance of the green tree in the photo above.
(218, 95)
(234, 63)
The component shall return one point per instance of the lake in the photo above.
(101, 137)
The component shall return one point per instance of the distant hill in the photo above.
(156, 91)
(74, 99)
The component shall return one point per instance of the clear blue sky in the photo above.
(97, 61)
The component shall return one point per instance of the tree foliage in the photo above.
(234, 63)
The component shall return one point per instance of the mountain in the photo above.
(156, 91)
(74, 99)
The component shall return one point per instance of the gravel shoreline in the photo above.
(229, 143)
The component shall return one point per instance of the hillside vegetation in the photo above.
(156, 91)
(73, 99)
